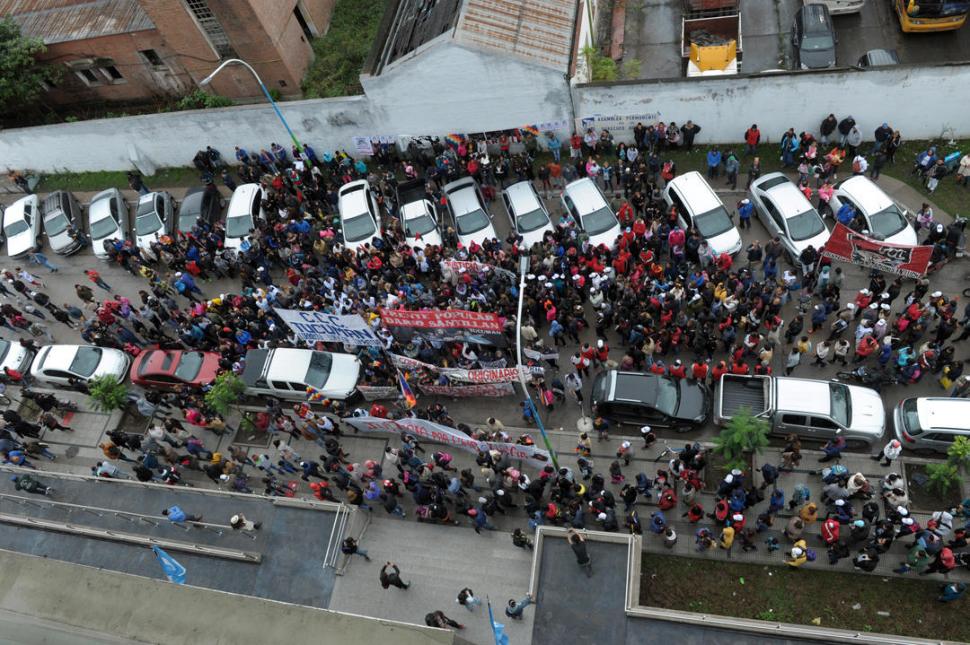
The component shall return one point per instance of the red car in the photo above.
(166, 368)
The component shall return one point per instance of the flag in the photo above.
(313, 394)
(498, 629)
(454, 139)
(409, 399)
(531, 129)
(174, 571)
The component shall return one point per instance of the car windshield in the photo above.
(817, 42)
(805, 225)
(358, 228)
(528, 222)
(85, 361)
(713, 223)
(4, 349)
(911, 417)
(472, 222)
(187, 221)
(668, 395)
(56, 224)
(841, 404)
(239, 226)
(887, 222)
(599, 221)
(319, 370)
(189, 365)
(148, 223)
(420, 225)
(16, 228)
(103, 228)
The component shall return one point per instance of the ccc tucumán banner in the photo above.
(445, 325)
(848, 246)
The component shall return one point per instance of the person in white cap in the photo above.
(239, 523)
(889, 452)
(649, 436)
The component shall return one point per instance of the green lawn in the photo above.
(93, 181)
(339, 55)
(907, 607)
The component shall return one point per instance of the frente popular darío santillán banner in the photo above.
(848, 246)
(445, 325)
(317, 326)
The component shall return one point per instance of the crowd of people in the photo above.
(660, 301)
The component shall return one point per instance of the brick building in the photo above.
(136, 50)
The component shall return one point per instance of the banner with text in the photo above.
(430, 431)
(475, 267)
(377, 392)
(316, 326)
(848, 246)
(489, 375)
(465, 391)
(445, 325)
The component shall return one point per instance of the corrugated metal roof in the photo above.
(58, 21)
(539, 31)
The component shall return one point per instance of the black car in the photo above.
(199, 204)
(650, 399)
(813, 38)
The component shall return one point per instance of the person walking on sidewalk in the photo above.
(177, 515)
(438, 619)
(350, 547)
(890, 452)
(578, 544)
(96, 278)
(391, 576)
(515, 609)
(468, 600)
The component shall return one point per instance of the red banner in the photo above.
(442, 319)
(848, 246)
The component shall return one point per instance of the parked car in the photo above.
(108, 220)
(810, 408)
(166, 368)
(417, 214)
(813, 38)
(638, 398)
(527, 214)
(471, 218)
(62, 222)
(286, 373)
(839, 7)
(21, 226)
(584, 201)
(154, 217)
(698, 206)
(197, 206)
(245, 207)
(14, 356)
(786, 212)
(360, 215)
(884, 219)
(58, 364)
(931, 424)
(879, 58)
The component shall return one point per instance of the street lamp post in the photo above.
(523, 269)
(237, 61)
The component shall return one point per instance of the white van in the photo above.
(245, 206)
(698, 206)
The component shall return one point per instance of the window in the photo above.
(88, 77)
(280, 385)
(112, 74)
(304, 25)
(794, 419)
(211, 27)
(151, 57)
(824, 424)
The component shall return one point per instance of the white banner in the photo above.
(537, 356)
(377, 392)
(438, 433)
(476, 267)
(316, 326)
(503, 375)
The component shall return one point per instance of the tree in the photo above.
(108, 393)
(958, 453)
(225, 393)
(942, 477)
(601, 68)
(201, 100)
(22, 76)
(744, 434)
(630, 69)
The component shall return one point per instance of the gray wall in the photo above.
(918, 101)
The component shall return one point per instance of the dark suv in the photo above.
(813, 38)
(637, 398)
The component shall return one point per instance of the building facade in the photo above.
(139, 50)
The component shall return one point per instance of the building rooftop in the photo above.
(59, 21)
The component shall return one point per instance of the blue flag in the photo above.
(174, 571)
(498, 629)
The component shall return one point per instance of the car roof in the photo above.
(155, 360)
(815, 18)
(788, 199)
(813, 396)
(522, 197)
(241, 199)
(635, 386)
(462, 195)
(697, 193)
(878, 57)
(289, 364)
(353, 198)
(865, 194)
(60, 357)
(943, 413)
(585, 195)
(16, 210)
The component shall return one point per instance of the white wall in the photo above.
(918, 101)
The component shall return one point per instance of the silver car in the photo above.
(62, 222)
(787, 214)
(108, 220)
(931, 424)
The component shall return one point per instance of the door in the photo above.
(824, 428)
(683, 214)
(791, 422)
(508, 210)
(773, 222)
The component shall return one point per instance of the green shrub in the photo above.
(958, 453)
(601, 68)
(225, 392)
(339, 56)
(200, 100)
(108, 393)
(942, 477)
(744, 434)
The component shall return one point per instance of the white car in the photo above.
(245, 207)
(584, 201)
(108, 220)
(420, 225)
(360, 220)
(287, 372)
(468, 212)
(14, 356)
(154, 217)
(699, 207)
(527, 215)
(884, 219)
(786, 213)
(21, 226)
(58, 364)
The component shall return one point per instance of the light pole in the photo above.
(523, 269)
(237, 61)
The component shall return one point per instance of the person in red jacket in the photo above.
(699, 370)
(718, 371)
(752, 136)
(737, 522)
(625, 214)
(658, 368)
(694, 514)
(830, 531)
(867, 345)
(678, 370)
(740, 367)
(602, 351)
(667, 500)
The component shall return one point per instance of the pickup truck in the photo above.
(710, 37)
(810, 408)
(286, 373)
